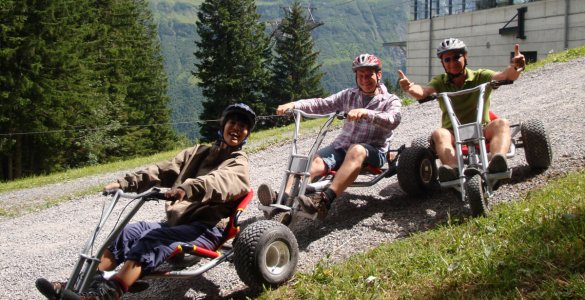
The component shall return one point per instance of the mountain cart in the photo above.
(265, 253)
(474, 183)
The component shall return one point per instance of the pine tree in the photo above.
(41, 83)
(232, 58)
(129, 65)
(296, 73)
(70, 68)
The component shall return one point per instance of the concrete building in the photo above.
(540, 27)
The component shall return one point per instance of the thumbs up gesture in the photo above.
(518, 60)
(403, 81)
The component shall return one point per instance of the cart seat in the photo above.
(464, 149)
(230, 231)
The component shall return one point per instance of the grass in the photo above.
(563, 56)
(529, 249)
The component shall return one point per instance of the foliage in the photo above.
(232, 53)
(529, 249)
(350, 28)
(562, 56)
(295, 71)
(73, 76)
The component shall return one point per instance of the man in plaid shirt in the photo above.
(372, 115)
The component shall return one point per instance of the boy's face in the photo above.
(235, 131)
(367, 79)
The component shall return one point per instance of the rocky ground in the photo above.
(46, 243)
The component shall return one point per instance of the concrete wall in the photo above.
(545, 32)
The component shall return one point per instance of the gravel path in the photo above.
(46, 243)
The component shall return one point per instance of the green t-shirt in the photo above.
(464, 105)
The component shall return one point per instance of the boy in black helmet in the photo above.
(205, 182)
(453, 55)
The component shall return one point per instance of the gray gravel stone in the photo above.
(46, 243)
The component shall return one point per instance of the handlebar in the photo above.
(153, 193)
(339, 115)
(494, 84)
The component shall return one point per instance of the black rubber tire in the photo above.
(283, 217)
(537, 146)
(422, 142)
(478, 202)
(417, 171)
(266, 254)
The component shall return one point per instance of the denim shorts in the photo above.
(333, 158)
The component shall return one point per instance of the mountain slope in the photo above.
(349, 28)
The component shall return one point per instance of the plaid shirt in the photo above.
(376, 130)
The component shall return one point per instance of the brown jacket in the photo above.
(212, 179)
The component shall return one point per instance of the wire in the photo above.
(112, 127)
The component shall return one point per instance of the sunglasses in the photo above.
(452, 58)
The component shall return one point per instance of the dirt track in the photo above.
(46, 243)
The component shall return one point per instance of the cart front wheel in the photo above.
(265, 254)
(474, 191)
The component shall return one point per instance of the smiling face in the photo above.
(367, 79)
(453, 62)
(235, 131)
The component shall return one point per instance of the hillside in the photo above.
(359, 220)
(349, 28)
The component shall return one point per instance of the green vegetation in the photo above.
(232, 53)
(296, 73)
(529, 249)
(81, 83)
(562, 56)
(349, 28)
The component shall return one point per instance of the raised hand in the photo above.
(404, 83)
(518, 60)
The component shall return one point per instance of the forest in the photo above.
(81, 82)
(94, 81)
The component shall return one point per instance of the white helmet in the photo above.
(451, 44)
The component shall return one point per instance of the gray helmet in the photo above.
(451, 44)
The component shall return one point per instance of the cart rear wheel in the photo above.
(417, 171)
(422, 142)
(474, 191)
(536, 144)
(265, 254)
(283, 217)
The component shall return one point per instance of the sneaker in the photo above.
(498, 164)
(266, 195)
(316, 203)
(54, 289)
(447, 173)
(104, 290)
(50, 289)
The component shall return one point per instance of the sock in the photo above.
(120, 284)
(330, 194)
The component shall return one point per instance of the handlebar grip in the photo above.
(497, 83)
(428, 98)
(109, 192)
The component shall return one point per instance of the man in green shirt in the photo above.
(453, 55)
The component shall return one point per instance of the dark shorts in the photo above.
(151, 244)
(333, 158)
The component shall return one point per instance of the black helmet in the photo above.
(242, 110)
(451, 44)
